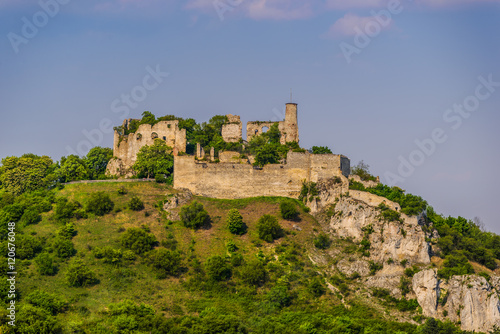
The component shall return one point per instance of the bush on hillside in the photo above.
(235, 222)
(165, 262)
(194, 215)
(138, 240)
(135, 204)
(268, 228)
(217, 268)
(78, 274)
(99, 204)
(288, 210)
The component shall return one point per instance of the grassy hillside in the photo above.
(266, 288)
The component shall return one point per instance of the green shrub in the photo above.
(235, 222)
(231, 246)
(78, 274)
(32, 319)
(108, 254)
(49, 302)
(67, 231)
(122, 191)
(268, 228)
(455, 264)
(135, 204)
(194, 215)
(45, 264)
(165, 262)
(288, 210)
(138, 240)
(321, 150)
(279, 296)
(64, 248)
(65, 209)
(217, 268)
(375, 266)
(253, 273)
(322, 241)
(99, 204)
(316, 287)
(27, 247)
(388, 214)
(30, 217)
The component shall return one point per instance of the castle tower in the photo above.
(291, 128)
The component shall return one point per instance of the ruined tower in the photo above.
(291, 128)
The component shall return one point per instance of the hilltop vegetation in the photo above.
(120, 270)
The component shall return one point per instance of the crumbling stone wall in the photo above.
(236, 180)
(232, 130)
(125, 148)
(289, 127)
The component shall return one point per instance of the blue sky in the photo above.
(243, 56)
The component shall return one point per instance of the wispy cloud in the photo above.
(351, 24)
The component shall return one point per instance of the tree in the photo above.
(253, 273)
(26, 173)
(165, 262)
(322, 241)
(194, 215)
(320, 150)
(217, 268)
(289, 210)
(49, 302)
(45, 264)
(363, 171)
(135, 204)
(99, 203)
(97, 160)
(317, 287)
(64, 248)
(32, 319)
(148, 118)
(78, 274)
(73, 168)
(138, 240)
(455, 264)
(235, 222)
(153, 160)
(268, 228)
(267, 154)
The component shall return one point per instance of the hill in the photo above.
(144, 271)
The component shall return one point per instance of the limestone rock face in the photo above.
(116, 167)
(348, 268)
(426, 287)
(176, 201)
(469, 299)
(389, 240)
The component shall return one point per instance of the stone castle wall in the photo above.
(233, 180)
(125, 148)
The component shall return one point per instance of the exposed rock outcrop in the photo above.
(469, 299)
(389, 240)
(175, 202)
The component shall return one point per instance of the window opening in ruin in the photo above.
(265, 129)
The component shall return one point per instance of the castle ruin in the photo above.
(231, 175)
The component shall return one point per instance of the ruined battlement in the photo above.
(235, 180)
(231, 175)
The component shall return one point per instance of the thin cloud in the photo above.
(350, 24)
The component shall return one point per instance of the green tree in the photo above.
(194, 215)
(455, 264)
(73, 168)
(235, 222)
(268, 228)
(32, 319)
(317, 287)
(165, 262)
(97, 160)
(253, 273)
(99, 203)
(45, 264)
(267, 154)
(148, 118)
(78, 274)
(64, 248)
(288, 210)
(320, 150)
(217, 268)
(153, 160)
(138, 240)
(135, 204)
(49, 302)
(322, 241)
(26, 173)
(363, 171)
